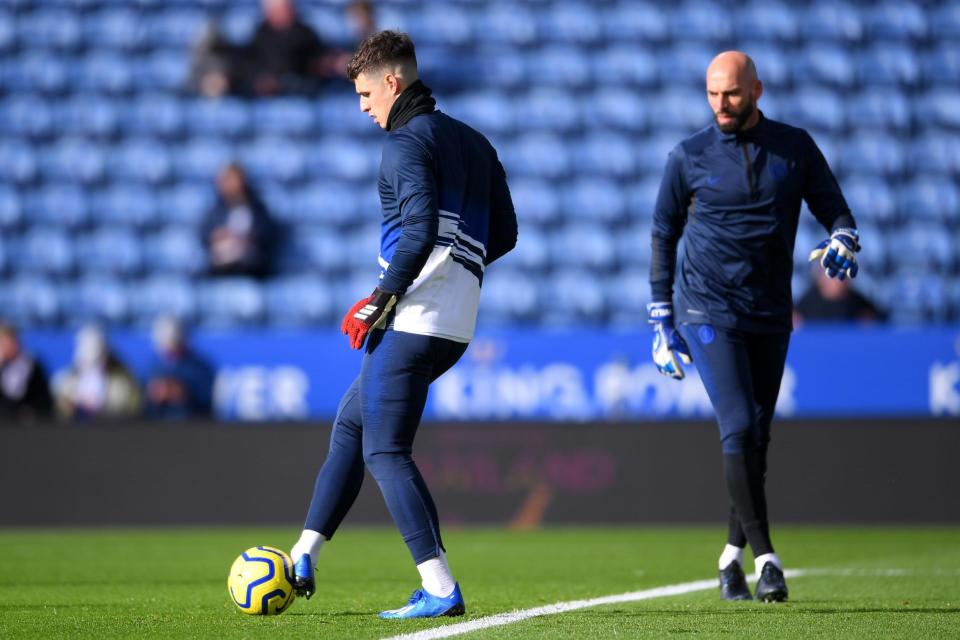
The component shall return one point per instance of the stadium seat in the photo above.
(74, 159)
(945, 22)
(633, 245)
(316, 250)
(115, 27)
(896, 21)
(917, 298)
(625, 110)
(929, 199)
(31, 301)
(571, 23)
(155, 114)
(636, 23)
(201, 159)
(224, 116)
(936, 152)
(40, 71)
(499, 66)
(283, 116)
(624, 63)
(160, 295)
(343, 158)
(361, 248)
(125, 204)
(47, 250)
(924, 246)
(165, 70)
(583, 245)
(876, 251)
(490, 112)
(593, 199)
(273, 158)
(941, 65)
(97, 298)
(871, 154)
(870, 198)
(18, 163)
(605, 154)
(547, 109)
(509, 295)
(185, 203)
(685, 65)
(879, 109)
(500, 23)
(8, 31)
(575, 300)
(238, 22)
(767, 20)
(141, 159)
(52, 28)
(652, 154)
(11, 211)
(27, 115)
(91, 115)
(775, 66)
(826, 64)
(59, 205)
(941, 107)
(340, 113)
(300, 301)
(532, 254)
(104, 71)
(175, 27)
(888, 65)
(700, 21)
(174, 250)
(688, 108)
(573, 69)
(627, 295)
(326, 201)
(535, 200)
(439, 24)
(642, 197)
(231, 303)
(536, 154)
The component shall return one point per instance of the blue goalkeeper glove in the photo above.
(668, 344)
(838, 253)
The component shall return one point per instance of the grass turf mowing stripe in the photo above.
(501, 619)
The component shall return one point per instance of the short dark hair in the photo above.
(379, 50)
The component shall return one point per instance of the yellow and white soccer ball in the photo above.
(261, 581)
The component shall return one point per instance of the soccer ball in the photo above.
(261, 581)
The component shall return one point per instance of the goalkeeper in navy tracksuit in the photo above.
(733, 191)
(447, 213)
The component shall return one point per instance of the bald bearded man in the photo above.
(733, 192)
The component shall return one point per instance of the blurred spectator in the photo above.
(833, 300)
(24, 392)
(180, 382)
(97, 384)
(363, 20)
(238, 231)
(213, 64)
(285, 55)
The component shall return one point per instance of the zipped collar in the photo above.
(750, 134)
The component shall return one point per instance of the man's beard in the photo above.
(739, 118)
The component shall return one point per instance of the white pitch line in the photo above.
(501, 619)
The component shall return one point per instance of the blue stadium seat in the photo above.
(879, 109)
(161, 295)
(775, 65)
(31, 301)
(239, 21)
(509, 296)
(11, 211)
(888, 65)
(685, 65)
(700, 21)
(633, 245)
(941, 107)
(59, 205)
(141, 159)
(547, 109)
(583, 245)
(115, 27)
(575, 299)
(808, 237)
(439, 24)
(164, 70)
(627, 295)
(107, 72)
(875, 249)
(358, 283)
(539, 154)
(490, 112)
(46, 250)
(507, 24)
(572, 65)
(624, 63)
(945, 22)
(500, 66)
(27, 115)
(361, 247)
(570, 22)
(50, 27)
(917, 298)
(767, 20)
(300, 301)
(924, 246)
(330, 24)
(652, 154)
(273, 158)
(624, 110)
(870, 198)
(155, 114)
(174, 250)
(535, 200)
(91, 115)
(593, 199)
(8, 31)
(176, 27)
(340, 114)
(941, 65)
(936, 152)
(930, 199)
(185, 203)
(343, 158)
(532, 254)
(224, 116)
(636, 22)
(201, 159)
(127, 204)
(326, 201)
(314, 249)
(40, 71)
(97, 298)
(814, 107)
(642, 196)
(897, 21)
(688, 107)
(872, 154)
(286, 116)
(109, 250)
(74, 159)
(828, 64)
(18, 162)
(605, 153)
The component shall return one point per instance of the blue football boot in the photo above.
(303, 582)
(425, 605)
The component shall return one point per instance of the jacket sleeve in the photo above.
(822, 192)
(407, 167)
(669, 217)
(502, 235)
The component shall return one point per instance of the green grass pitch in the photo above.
(171, 583)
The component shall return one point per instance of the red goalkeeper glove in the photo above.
(366, 315)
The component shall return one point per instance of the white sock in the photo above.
(310, 542)
(436, 576)
(730, 554)
(759, 561)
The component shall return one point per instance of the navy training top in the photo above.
(735, 198)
